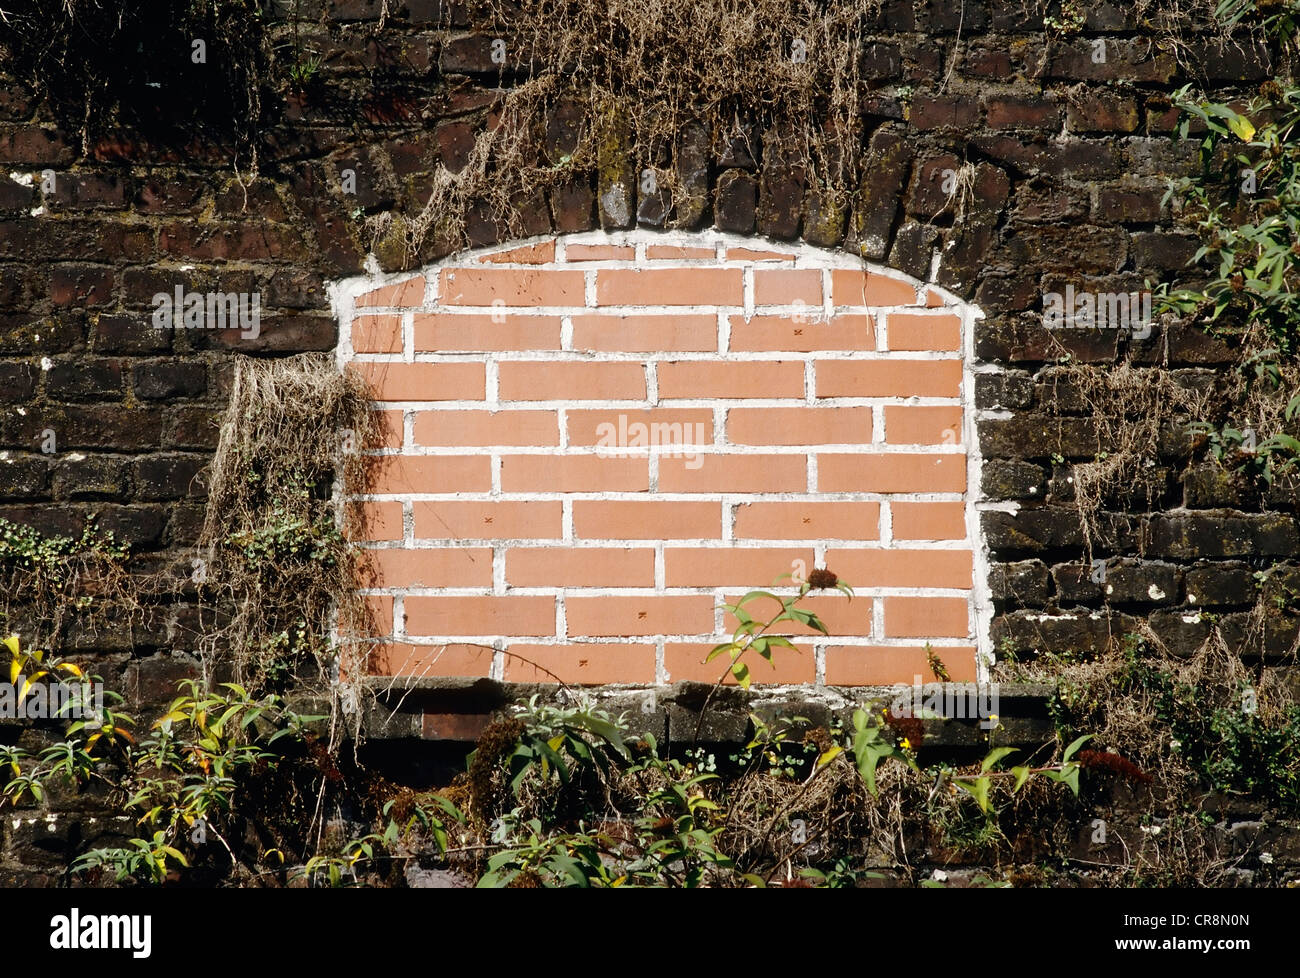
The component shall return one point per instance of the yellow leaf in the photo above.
(69, 667)
(829, 756)
(15, 668)
(1241, 127)
(11, 643)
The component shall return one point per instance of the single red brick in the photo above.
(808, 521)
(424, 381)
(888, 378)
(512, 286)
(889, 665)
(582, 664)
(475, 333)
(468, 615)
(927, 618)
(669, 286)
(646, 334)
(532, 519)
(622, 616)
(892, 472)
(406, 293)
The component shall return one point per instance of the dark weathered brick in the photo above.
(89, 477)
(160, 379)
(83, 379)
(169, 476)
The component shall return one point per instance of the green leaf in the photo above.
(1022, 775)
(994, 756)
(1075, 745)
(741, 672)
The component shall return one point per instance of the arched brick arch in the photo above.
(593, 441)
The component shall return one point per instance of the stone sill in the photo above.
(457, 710)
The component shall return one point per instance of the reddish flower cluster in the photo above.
(1115, 764)
(822, 578)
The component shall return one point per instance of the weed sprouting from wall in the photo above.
(51, 586)
(633, 91)
(1133, 407)
(272, 554)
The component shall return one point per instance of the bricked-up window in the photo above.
(595, 441)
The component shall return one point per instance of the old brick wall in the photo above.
(819, 422)
(1070, 157)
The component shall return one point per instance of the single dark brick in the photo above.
(137, 526)
(1162, 250)
(1009, 292)
(83, 191)
(17, 381)
(1129, 205)
(1005, 389)
(112, 427)
(1022, 113)
(933, 183)
(84, 379)
(25, 335)
(1132, 59)
(1220, 585)
(184, 524)
(90, 476)
(1195, 535)
(780, 190)
(35, 145)
(1013, 437)
(943, 112)
(128, 334)
(240, 240)
(1022, 584)
(154, 681)
(1117, 582)
(159, 477)
(22, 476)
(1083, 633)
(296, 288)
(913, 248)
(1276, 639)
(16, 198)
(1181, 632)
(880, 192)
(1210, 486)
(1028, 340)
(192, 428)
(158, 379)
(1013, 479)
(880, 62)
(81, 285)
(736, 202)
(1032, 530)
(173, 194)
(1102, 112)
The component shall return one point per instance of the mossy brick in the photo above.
(1220, 585)
(89, 477)
(1003, 479)
(1024, 583)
